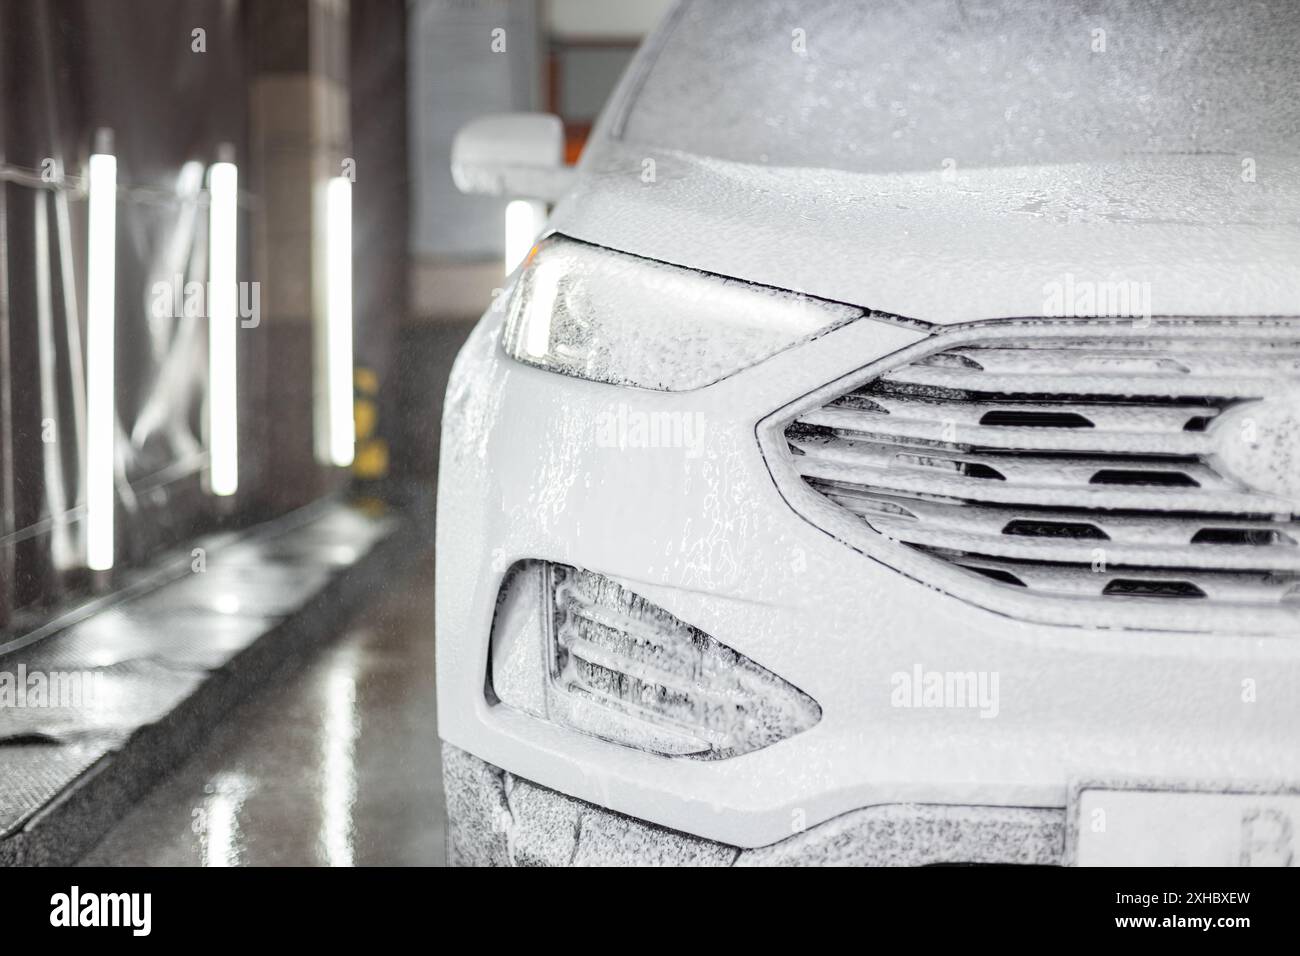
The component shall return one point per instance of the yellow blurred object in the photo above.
(371, 460)
(366, 416)
(366, 381)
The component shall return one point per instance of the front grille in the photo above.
(1076, 471)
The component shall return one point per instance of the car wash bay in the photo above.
(216, 626)
(234, 273)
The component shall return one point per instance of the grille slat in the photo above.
(1085, 551)
(1104, 417)
(1064, 464)
(1119, 543)
(1084, 383)
(839, 462)
(956, 431)
(1017, 468)
(1135, 528)
(1035, 358)
(1241, 588)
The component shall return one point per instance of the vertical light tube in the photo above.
(101, 414)
(223, 414)
(64, 553)
(338, 319)
(523, 223)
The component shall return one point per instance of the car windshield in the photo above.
(891, 85)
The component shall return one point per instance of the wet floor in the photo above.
(334, 763)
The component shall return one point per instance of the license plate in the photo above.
(1114, 825)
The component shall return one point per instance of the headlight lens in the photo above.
(601, 315)
(579, 649)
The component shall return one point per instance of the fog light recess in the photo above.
(581, 650)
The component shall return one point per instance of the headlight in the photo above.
(592, 313)
(579, 649)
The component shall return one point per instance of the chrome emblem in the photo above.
(1258, 444)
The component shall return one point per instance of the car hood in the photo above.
(1200, 235)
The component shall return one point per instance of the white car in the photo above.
(890, 451)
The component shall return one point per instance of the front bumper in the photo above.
(498, 819)
(702, 531)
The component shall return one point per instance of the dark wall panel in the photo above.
(68, 67)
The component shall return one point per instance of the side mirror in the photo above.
(512, 154)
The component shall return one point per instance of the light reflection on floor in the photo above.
(335, 763)
(216, 823)
(338, 763)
